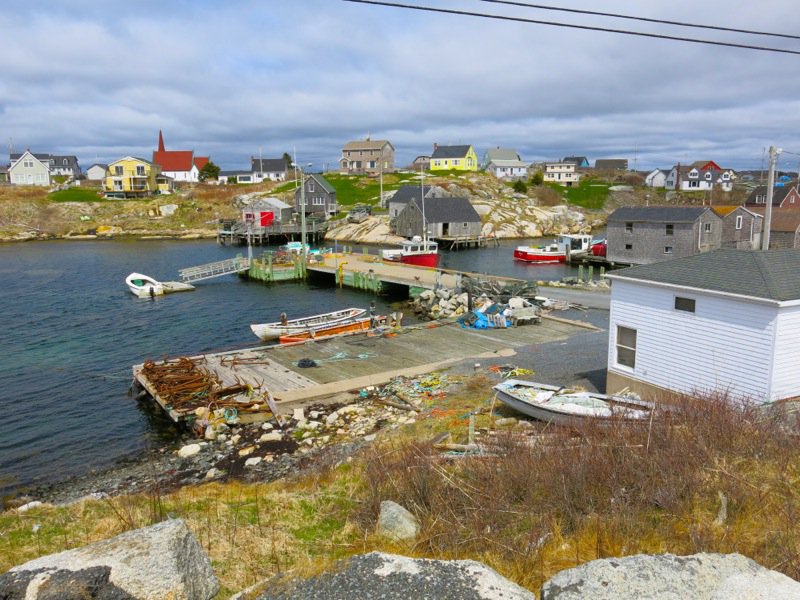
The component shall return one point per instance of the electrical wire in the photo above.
(573, 26)
(644, 19)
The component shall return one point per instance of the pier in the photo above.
(344, 365)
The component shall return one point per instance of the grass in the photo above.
(76, 194)
(538, 503)
(589, 193)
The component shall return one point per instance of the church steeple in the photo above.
(160, 141)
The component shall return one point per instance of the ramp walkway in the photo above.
(215, 269)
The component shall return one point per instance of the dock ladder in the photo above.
(215, 269)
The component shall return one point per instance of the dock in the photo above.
(344, 365)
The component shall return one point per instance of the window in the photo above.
(628, 227)
(694, 184)
(437, 163)
(456, 162)
(708, 176)
(118, 170)
(739, 221)
(706, 227)
(669, 229)
(684, 304)
(626, 346)
(140, 171)
(628, 246)
(27, 164)
(310, 186)
(667, 249)
(65, 161)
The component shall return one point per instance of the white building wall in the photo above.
(725, 345)
(786, 364)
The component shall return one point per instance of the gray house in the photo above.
(267, 214)
(445, 218)
(648, 234)
(320, 197)
(741, 228)
(784, 230)
(406, 193)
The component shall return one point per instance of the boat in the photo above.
(355, 326)
(416, 251)
(144, 286)
(311, 325)
(564, 406)
(599, 247)
(565, 246)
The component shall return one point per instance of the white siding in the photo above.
(786, 365)
(724, 345)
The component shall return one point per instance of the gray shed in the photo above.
(445, 218)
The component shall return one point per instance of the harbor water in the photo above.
(72, 330)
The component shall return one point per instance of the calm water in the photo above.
(71, 332)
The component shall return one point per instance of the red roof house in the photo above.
(181, 165)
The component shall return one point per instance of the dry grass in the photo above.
(539, 504)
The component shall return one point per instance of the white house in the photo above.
(656, 178)
(725, 321)
(504, 163)
(562, 173)
(700, 176)
(97, 172)
(27, 169)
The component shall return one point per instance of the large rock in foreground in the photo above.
(393, 577)
(670, 577)
(153, 563)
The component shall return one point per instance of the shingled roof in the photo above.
(658, 214)
(448, 210)
(770, 275)
(406, 193)
(450, 151)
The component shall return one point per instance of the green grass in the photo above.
(75, 194)
(590, 193)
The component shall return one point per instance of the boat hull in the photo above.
(535, 255)
(420, 260)
(345, 328)
(294, 327)
(539, 401)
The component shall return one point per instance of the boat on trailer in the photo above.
(565, 406)
(565, 246)
(313, 326)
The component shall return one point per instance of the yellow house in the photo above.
(458, 158)
(131, 177)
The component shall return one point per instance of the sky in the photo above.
(243, 78)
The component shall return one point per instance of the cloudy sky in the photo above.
(237, 78)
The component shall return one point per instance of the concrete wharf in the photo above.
(345, 364)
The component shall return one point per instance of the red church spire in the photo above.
(160, 141)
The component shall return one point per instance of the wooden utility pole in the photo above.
(773, 159)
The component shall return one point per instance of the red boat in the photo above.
(416, 251)
(574, 245)
(599, 247)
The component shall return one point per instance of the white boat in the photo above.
(566, 246)
(144, 286)
(310, 325)
(564, 406)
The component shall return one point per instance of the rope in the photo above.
(335, 358)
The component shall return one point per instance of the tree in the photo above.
(537, 178)
(287, 158)
(209, 171)
(519, 186)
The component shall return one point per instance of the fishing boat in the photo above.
(416, 251)
(312, 325)
(564, 406)
(599, 247)
(355, 326)
(565, 246)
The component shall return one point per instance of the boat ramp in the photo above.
(244, 383)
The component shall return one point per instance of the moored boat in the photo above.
(355, 326)
(416, 251)
(563, 406)
(311, 325)
(143, 286)
(566, 245)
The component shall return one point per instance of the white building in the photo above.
(724, 321)
(29, 170)
(657, 178)
(97, 172)
(505, 163)
(562, 173)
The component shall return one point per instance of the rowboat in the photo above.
(355, 326)
(143, 286)
(311, 325)
(565, 246)
(563, 406)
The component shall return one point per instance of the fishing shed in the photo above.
(445, 218)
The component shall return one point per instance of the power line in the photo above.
(572, 26)
(644, 19)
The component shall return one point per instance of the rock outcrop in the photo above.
(669, 577)
(161, 561)
(396, 523)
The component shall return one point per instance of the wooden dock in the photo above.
(346, 364)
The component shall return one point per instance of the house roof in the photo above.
(448, 210)
(578, 160)
(495, 154)
(101, 165)
(658, 214)
(174, 160)
(450, 151)
(268, 203)
(366, 145)
(497, 162)
(200, 162)
(611, 163)
(770, 275)
(268, 165)
(406, 193)
(58, 159)
(785, 220)
(144, 160)
(779, 193)
(323, 182)
(724, 211)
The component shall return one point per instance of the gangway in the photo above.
(215, 269)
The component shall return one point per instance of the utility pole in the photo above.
(773, 158)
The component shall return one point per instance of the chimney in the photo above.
(160, 141)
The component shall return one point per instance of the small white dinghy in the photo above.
(143, 286)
